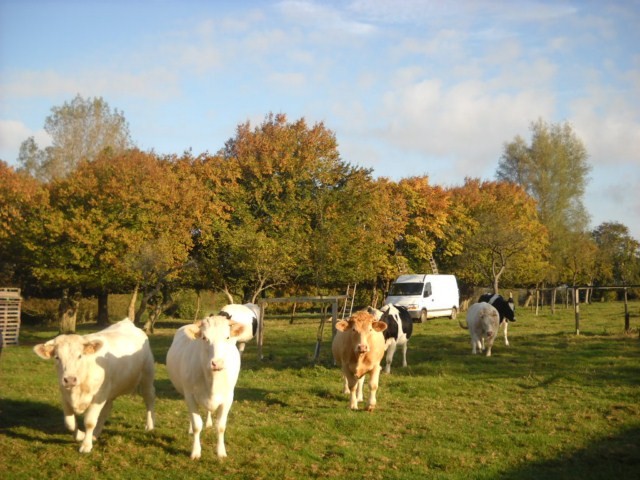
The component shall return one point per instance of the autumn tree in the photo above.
(427, 209)
(505, 239)
(22, 198)
(79, 130)
(618, 254)
(118, 221)
(291, 204)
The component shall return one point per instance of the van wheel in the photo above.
(423, 316)
(454, 313)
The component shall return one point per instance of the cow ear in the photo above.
(92, 347)
(193, 331)
(342, 325)
(379, 326)
(237, 329)
(45, 350)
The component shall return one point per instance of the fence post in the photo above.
(576, 307)
(626, 312)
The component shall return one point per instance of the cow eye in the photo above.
(79, 356)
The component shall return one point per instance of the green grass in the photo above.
(553, 405)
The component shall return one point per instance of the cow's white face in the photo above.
(74, 357)
(219, 333)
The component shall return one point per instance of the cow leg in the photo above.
(102, 418)
(221, 426)
(196, 427)
(373, 387)
(360, 390)
(391, 350)
(352, 383)
(70, 422)
(91, 417)
(475, 343)
(405, 345)
(506, 340)
(241, 346)
(148, 392)
(346, 390)
(209, 422)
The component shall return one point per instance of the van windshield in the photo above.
(398, 289)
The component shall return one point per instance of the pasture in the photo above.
(552, 405)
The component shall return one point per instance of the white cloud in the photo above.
(154, 84)
(316, 16)
(13, 133)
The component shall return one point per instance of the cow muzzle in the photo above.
(217, 365)
(69, 381)
(362, 348)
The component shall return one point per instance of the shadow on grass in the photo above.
(19, 417)
(611, 457)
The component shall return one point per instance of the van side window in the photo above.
(427, 290)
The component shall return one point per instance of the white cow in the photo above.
(246, 314)
(203, 363)
(94, 369)
(483, 321)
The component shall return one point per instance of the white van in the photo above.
(426, 296)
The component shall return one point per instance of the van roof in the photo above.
(418, 277)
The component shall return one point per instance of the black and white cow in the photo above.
(398, 331)
(506, 309)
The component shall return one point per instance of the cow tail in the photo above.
(464, 325)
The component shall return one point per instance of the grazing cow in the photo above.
(203, 364)
(358, 347)
(483, 321)
(506, 309)
(246, 314)
(398, 332)
(94, 369)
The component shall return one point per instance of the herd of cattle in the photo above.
(203, 362)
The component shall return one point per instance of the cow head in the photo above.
(360, 326)
(218, 334)
(74, 356)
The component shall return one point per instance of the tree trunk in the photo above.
(527, 300)
(155, 313)
(553, 300)
(198, 302)
(67, 312)
(131, 313)
(227, 293)
(103, 308)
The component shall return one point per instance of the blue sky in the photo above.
(410, 87)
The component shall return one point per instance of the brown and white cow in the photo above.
(358, 347)
(203, 364)
(94, 369)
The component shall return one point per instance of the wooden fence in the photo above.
(10, 302)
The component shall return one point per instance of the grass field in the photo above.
(553, 405)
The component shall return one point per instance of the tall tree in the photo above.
(79, 130)
(553, 169)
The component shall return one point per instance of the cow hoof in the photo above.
(371, 408)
